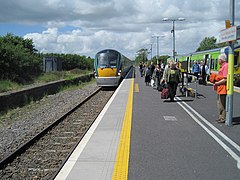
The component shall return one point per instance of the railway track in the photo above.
(43, 156)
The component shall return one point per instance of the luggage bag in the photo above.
(165, 93)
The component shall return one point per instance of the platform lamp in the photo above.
(173, 31)
(157, 36)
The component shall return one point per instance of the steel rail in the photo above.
(33, 140)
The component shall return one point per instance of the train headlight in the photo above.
(119, 72)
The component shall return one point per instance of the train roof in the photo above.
(108, 50)
(112, 50)
(207, 51)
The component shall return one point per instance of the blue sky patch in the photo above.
(19, 29)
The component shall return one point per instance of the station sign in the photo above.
(229, 34)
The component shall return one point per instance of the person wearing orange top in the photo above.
(221, 87)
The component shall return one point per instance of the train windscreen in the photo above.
(107, 59)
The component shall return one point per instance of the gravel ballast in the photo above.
(20, 124)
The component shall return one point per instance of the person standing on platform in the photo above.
(204, 71)
(152, 67)
(141, 69)
(196, 69)
(157, 76)
(169, 61)
(147, 75)
(172, 78)
(221, 87)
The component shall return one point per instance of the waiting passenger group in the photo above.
(201, 69)
(170, 75)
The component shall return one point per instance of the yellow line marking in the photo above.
(121, 165)
(136, 88)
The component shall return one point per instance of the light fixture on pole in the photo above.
(157, 36)
(173, 31)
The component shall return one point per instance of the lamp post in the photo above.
(173, 31)
(151, 51)
(157, 36)
(229, 98)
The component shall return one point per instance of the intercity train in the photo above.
(210, 58)
(110, 67)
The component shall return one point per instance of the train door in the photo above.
(206, 58)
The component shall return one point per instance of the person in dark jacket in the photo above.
(172, 78)
(204, 71)
(141, 69)
(157, 74)
(147, 75)
(152, 67)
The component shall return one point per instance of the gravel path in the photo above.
(22, 123)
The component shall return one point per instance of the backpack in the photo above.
(173, 76)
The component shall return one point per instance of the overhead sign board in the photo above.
(229, 34)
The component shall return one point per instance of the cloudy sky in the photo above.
(87, 26)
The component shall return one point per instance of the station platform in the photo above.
(139, 136)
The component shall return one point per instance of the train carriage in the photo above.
(110, 67)
(210, 57)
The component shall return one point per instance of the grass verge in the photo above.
(7, 85)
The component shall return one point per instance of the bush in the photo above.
(18, 59)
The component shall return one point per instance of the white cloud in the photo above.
(120, 24)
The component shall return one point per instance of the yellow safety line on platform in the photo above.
(136, 88)
(121, 165)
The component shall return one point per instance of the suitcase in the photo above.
(165, 93)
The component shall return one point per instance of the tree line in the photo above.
(21, 62)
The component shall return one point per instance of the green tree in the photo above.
(141, 56)
(209, 43)
(18, 58)
(161, 59)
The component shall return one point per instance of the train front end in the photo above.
(107, 68)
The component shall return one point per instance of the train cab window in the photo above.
(102, 59)
(107, 59)
(113, 59)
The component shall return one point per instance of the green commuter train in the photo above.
(210, 58)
